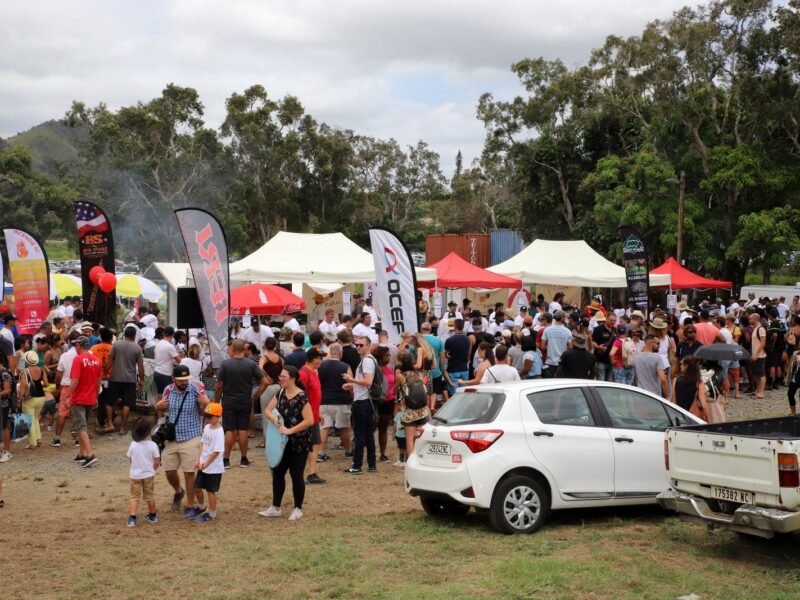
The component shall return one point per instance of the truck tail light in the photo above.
(477, 441)
(788, 472)
(666, 454)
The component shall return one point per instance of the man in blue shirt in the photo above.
(439, 386)
(457, 348)
(556, 339)
(184, 403)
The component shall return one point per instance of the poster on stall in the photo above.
(346, 303)
(637, 273)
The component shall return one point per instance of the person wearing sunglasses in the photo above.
(362, 411)
(688, 346)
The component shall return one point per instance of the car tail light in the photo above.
(666, 454)
(477, 441)
(788, 473)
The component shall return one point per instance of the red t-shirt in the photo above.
(313, 387)
(87, 370)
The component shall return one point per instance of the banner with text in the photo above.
(96, 247)
(637, 273)
(30, 275)
(208, 256)
(396, 283)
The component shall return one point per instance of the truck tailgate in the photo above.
(699, 461)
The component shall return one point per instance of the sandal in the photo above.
(2, 504)
(123, 432)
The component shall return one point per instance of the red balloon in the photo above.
(107, 282)
(95, 273)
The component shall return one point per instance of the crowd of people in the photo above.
(341, 378)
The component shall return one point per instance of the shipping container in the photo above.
(505, 244)
(475, 248)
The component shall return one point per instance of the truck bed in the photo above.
(783, 428)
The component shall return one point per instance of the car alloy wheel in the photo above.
(520, 505)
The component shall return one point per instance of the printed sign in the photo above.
(30, 275)
(396, 283)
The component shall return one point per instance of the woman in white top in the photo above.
(193, 363)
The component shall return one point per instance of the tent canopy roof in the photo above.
(567, 262)
(309, 258)
(683, 278)
(455, 272)
(175, 274)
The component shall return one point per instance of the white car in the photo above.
(521, 449)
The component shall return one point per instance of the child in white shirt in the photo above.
(209, 463)
(145, 459)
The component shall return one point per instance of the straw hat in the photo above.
(658, 323)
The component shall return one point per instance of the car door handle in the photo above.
(543, 433)
(623, 439)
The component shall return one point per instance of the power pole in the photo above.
(681, 201)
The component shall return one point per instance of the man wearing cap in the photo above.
(183, 403)
(556, 339)
(577, 362)
(257, 334)
(519, 320)
(602, 340)
(85, 377)
(235, 392)
(368, 308)
(9, 322)
(125, 362)
(63, 382)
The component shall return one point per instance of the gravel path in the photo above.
(776, 404)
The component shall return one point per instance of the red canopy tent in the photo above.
(683, 278)
(455, 272)
(264, 299)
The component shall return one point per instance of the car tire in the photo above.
(520, 504)
(438, 507)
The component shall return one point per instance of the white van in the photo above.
(772, 291)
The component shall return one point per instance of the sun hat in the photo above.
(637, 313)
(599, 317)
(579, 340)
(31, 358)
(658, 323)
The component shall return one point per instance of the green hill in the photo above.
(51, 143)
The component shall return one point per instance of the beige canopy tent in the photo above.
(311, 258)
(571, 262)
(175, 275)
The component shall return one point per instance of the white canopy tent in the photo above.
(311, 258)
(175, 275)
(571, 262)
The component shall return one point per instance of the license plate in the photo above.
(442, 449)
(730, 495)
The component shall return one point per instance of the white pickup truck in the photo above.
(741, 475)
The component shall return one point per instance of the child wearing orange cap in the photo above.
(209, 463)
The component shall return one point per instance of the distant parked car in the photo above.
(525, 448)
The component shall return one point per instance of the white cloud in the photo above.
(409, 70)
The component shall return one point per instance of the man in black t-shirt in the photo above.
(457, 347)
(335, 408)
(297, 357)
(350, 354)
(603, 339)
(235, 392)
(577, 362)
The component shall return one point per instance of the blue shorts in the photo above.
(455, 376)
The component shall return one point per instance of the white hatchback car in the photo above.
(521, 449)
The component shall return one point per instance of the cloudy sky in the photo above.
(407, 69)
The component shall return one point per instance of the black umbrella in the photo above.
(719, 352)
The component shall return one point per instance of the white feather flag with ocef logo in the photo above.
(396, 282)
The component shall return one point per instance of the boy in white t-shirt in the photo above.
(145, 459)
(209, 463)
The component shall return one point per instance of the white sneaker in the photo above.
(272, 511)
(399, 463)
(296, 514)
(5, 457)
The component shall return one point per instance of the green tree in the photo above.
(765, 239)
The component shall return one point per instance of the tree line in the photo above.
(711, 94)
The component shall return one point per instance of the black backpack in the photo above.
(415, 392)
(380, 387)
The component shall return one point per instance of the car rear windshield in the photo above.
(466, 408)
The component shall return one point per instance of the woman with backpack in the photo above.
(384, 408)
(623, 351)
(413, 398)
(32, 381)
(425, 360)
